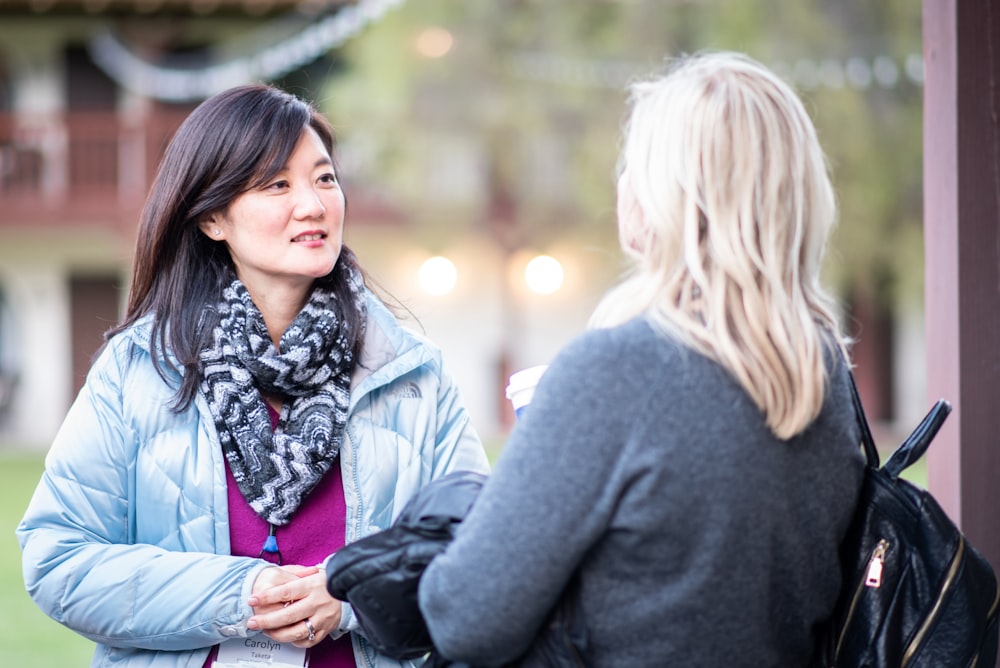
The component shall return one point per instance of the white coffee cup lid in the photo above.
(525, 378)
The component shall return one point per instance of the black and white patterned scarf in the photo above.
(275, 470)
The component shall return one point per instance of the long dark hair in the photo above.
(231, 143)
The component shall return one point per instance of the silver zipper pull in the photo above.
(874, 577)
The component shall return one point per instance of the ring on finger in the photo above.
(312, 630)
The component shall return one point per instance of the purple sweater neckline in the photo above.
(317, 529)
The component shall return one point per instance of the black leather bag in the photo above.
(915, 593)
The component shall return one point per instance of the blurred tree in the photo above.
(513, 129)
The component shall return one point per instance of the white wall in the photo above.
(489, 316)
(34, 276)
(39, 308)
(910, 382)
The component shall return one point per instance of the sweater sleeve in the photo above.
(82, 564)
(550, 497)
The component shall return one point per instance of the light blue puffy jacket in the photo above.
(126, 539)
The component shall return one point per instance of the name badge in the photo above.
(260, 651)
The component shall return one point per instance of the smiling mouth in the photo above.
(310, 237)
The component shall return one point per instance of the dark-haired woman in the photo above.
(257, 407)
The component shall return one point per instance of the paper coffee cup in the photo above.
(521, 387)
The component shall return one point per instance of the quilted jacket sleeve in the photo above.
(88, 564)
(458, 446)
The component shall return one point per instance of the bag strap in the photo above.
(916, 444)
(867, 441)
(912, 448)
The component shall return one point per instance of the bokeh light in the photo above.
(438, 275)
(434, 42)
(543, 275)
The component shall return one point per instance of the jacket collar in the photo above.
(389, 351)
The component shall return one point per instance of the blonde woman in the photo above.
(694, 456)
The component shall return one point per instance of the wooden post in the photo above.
(962, 274)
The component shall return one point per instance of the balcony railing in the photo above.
(90, 169)
(78, 168)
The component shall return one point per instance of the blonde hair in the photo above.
(733, 208)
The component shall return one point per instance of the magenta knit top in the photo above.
(316, 530)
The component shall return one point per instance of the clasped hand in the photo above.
(290, 602)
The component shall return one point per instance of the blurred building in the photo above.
(90, 92)
(477, 147)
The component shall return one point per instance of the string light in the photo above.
(434, 42)
(184, 85)
(855, 72)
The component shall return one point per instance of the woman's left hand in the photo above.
(294, 610)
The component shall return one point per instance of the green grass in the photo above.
(916, 473)
(28, 637)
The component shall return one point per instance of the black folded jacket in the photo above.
(379, 575)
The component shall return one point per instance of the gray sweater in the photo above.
(702, 539)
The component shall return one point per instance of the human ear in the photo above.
(211, 229)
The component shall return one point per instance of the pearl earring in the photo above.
(218, 231)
